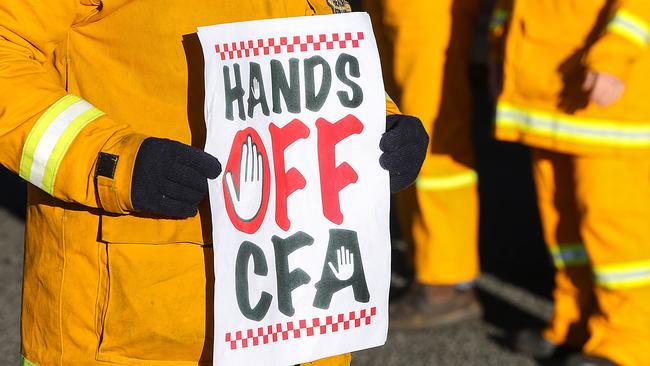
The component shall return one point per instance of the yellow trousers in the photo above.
(596, 219)
(425, 49)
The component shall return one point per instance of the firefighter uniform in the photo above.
(425, 51)
(103, 285)
(591, 164)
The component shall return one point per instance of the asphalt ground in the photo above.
(514, 288)
(11, 258)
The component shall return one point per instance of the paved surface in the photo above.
(11, 257)
(477, 342)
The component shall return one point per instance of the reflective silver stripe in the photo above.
(573, 129)
(631, 27)
(625, 275)
(50, 138)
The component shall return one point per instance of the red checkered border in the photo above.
(278, 45)
(296, 329)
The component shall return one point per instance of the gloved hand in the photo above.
(404, 144)
(171, 178)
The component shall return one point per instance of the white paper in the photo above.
(260, 318)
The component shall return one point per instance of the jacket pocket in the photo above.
(548, 55)
(142, 229)
(156, 305)
(542, 67)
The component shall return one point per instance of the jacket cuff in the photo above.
(113, 177)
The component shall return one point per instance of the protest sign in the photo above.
(295, 110)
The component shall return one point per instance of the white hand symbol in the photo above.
(345, 264)
(247, 200)
(256, 89)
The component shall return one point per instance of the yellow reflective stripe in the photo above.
(631, 27)
(623, 283)
(569, 255)
(624, 267)
(573, 129)
(625, 275)
(39, 129)
(51, 137)
(26, 362)
(63, 144)
(445, 183)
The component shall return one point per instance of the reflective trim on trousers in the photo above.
(50, 138)
(455, 181)
(573, 129)
(569, 255)
(623, 275)
(630, 27)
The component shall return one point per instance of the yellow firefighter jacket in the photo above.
(77, 77)
(550, 46)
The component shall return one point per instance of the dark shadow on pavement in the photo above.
(506, 316)
(510, 236)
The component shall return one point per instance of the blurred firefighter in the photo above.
(425, 47)
(576, 77)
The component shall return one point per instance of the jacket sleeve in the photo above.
(624, 40)
(49, 137)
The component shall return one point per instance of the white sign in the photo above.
(295, 109)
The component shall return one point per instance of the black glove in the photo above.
(171, 178)
(404, 145)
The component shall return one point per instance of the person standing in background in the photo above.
(576, 79)
(425, 47)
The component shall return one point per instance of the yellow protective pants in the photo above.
(425, 48)
(596, 219)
